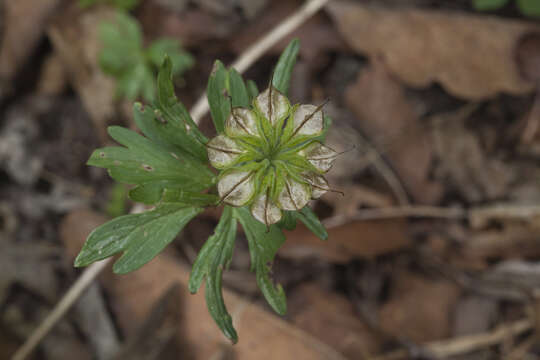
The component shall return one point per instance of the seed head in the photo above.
(271, 156)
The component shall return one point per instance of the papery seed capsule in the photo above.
(223, 151)
(236, 187)
(294, 195)
(318, 183)
(321, 156)
(308, 120)
(241, 122)
(264, 210)
(263, 165)
(272, 105)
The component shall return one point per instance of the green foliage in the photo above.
(120, 4)
(264, 243)
(282, 73)
(124, 57)
(217, 98)
(139, 236)
(529, 8)
(213, 258)
(308, 217)
(168, 166)
(488, 5)
(117, 200)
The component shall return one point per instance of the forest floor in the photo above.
(433, 251)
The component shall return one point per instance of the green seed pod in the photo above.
(271, 157)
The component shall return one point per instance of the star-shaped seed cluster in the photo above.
(271, 156)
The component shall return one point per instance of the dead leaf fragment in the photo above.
(471, 56)
(360, 239)
(331, 318)
(464, 163)
(25, 22)
(419, 308)
(390, 122)
(262, 335)
(513, 241)
(74, 36)
(474, 314)
(76, 226)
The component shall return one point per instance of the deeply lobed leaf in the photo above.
(264, 243)
(140, 236)
(213, 258)
(282, 73)
(151, 166)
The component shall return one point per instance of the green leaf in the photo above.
(214, 257)
(529, 7)
(264, 243)
(282, 73)
(120, 4)
(312, 222)
(134, 81)
(145, 162)
(186, 197)
(237, 90)
(488, 5)
(252, 89)
(219, 104)
(288, 222)
(86, 3)
(167, 191)
(140, 236)
(181, 60)
(169, 132)
(175, 111)
(124, 57)
(117, 200)
(126, 4)
(122, 41)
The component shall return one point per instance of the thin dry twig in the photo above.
(244, 61)
(76, 290)
(375, 158)
(521, 350)
(477, 217)
(255, 51)
(455, 213)
(465, 344)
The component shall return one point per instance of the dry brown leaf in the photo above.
(474, 314)
(463, 162)
(24, 25)
(470, 56)
(419, 308)
(155, 339)
(52, 78)
(331, 318)
(361, 239)
(513, 241)
(390, 122)
(262, 334)
(74, 35)
(76, 226)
